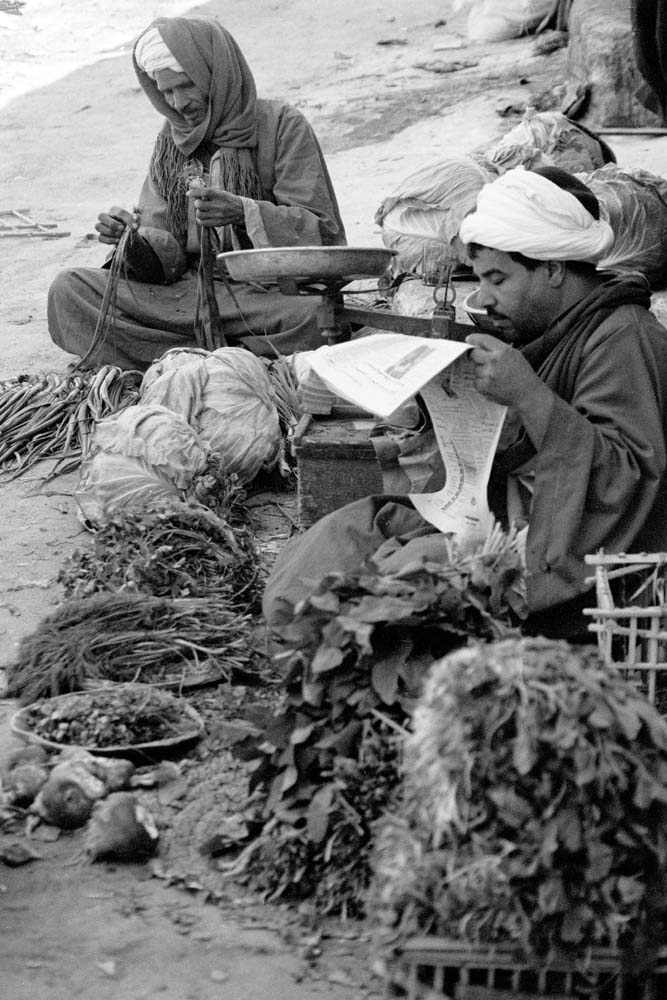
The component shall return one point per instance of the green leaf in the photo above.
(569, 830)
(360, 632)
(383, 609)
(601, 717)
(326, 658)
(575, 924)
(278, 730)
(312, 693)
(512, 809)
(523, 752)
(601, 858)
(289, 779)
(343, 742)
(325, 602)
(318, 813)
(630, 889)
(551, 895)
(384, 678)
(300, 734)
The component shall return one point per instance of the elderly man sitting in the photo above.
(582, 365)
(261, 181)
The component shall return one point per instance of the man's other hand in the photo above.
(501, 371)
(112, 224)
(214, 207)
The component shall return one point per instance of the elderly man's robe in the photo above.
(155, 309)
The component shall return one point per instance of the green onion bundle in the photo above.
(51, 416)
(127, 637)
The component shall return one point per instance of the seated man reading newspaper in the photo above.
(581, 365)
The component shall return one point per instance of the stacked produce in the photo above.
(534, 807)
(227, 398)
(127, 637)
(52, 416)
(356, 653)
(175, 551)
(123, 716)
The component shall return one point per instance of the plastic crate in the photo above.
(630, 619)
(432, 967)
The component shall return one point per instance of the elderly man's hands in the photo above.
(112, 224)
(214, 207)
(504, 375)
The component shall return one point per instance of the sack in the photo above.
(429, 206)
(500, 20)
(549, 138)
(634, 202)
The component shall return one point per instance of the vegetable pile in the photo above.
(227, 398)
(534, 808)
(357, 651)
(128, 637)
(52, 416)
(117, 717)
(178, 551)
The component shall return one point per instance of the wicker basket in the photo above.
(432, 967)
(630, 619)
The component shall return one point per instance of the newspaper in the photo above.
(381, 372)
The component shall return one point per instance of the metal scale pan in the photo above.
(307, 265)
(324, 271)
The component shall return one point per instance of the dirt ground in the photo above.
(376, 81)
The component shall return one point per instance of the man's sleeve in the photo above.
(305, 212)
(602, 462)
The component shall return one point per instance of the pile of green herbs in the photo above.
(355, 655)
(129, 637)
(174, 551)
(126, 715)
(534, 808)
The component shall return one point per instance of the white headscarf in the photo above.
(523, 212)
(152, 54)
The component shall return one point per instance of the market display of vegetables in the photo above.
(121, 716)
(354, 657)
(534, 808)
(128, 637)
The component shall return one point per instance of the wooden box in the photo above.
(336, 464)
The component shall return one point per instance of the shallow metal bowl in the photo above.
(307, 264)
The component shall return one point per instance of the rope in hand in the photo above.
(107, 315)
(207, 320)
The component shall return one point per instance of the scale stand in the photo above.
(337, 321)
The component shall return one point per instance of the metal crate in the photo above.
(433, 967)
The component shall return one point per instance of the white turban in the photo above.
(152, 54)
(523, 212)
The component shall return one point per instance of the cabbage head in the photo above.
(227, 397)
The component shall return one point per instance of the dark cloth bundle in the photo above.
(649, 32)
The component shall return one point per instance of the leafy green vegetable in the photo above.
(355, 655)
(534, 807)
(175, 551)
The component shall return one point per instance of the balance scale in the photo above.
(325, 271)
